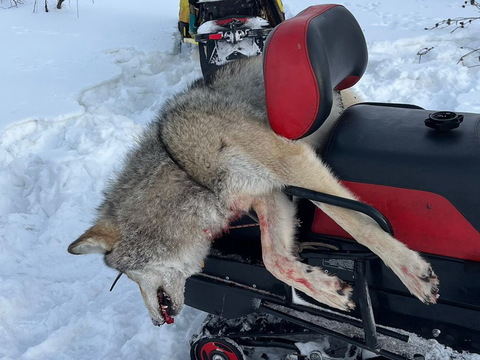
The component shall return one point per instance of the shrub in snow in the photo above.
(460, 23)
(13, 3)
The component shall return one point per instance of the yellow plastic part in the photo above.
(184, 13)
(280, 5)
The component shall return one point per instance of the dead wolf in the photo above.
(209, 156)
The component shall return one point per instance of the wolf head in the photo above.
(154, 224)
(161, 281)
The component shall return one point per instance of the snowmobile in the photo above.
(227, 30)
(417, 172)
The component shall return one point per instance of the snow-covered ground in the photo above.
(74, 92)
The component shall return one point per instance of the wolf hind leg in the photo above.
(276, 216)
(295, 163)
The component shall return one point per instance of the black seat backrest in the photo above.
(307, 57)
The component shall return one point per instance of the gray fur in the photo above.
(165, 217)
(209, 156)
(155, 199)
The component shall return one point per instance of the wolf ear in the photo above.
(100, 238)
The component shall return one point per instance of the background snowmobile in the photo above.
(227, 30)
(419, 168)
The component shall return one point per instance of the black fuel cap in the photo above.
(443, 120)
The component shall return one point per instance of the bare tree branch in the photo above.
(458, 23)
(471, 53)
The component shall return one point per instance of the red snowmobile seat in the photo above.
(307, 57)
(426, 182)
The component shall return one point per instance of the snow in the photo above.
(75, 90)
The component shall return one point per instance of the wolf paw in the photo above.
(344, 292)
(312, 281)
(421, 281)
(330, 291)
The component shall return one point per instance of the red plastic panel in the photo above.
(424, 221)
(348, 82)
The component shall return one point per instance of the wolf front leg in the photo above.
(276, 215)
(295, 163)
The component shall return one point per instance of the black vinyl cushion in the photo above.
(306, 58)
(390, 145)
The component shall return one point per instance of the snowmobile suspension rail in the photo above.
(321, 330)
